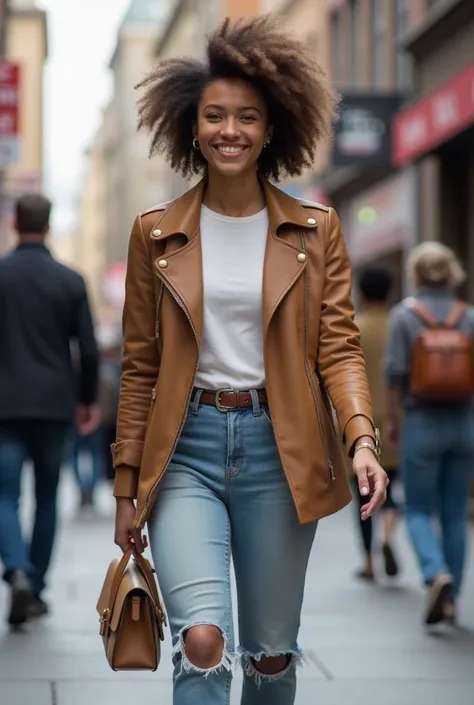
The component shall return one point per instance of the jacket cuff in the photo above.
(127, 453)
(126, 482)
(357, 427)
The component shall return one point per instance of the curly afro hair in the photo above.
(285, 71)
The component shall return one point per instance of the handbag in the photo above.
(131, 614)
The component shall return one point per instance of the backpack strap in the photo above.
(450, 322)
(455, 315)
(425, 315)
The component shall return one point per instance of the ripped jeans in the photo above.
(225, 495)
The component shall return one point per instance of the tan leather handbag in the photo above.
(131, 615)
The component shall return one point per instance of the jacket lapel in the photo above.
(284, 260)
(180, 266)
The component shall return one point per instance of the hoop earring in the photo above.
(196, 144)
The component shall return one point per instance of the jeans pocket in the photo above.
(266, 416)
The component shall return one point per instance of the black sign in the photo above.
(362, 134)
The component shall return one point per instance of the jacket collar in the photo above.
(33, 247)
(183, 214)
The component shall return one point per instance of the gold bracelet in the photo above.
(370, 446)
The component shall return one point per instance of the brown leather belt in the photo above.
(225, 399)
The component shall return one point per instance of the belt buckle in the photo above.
(219, 406)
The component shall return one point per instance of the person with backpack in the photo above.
(430, 371)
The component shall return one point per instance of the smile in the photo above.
(231, 151)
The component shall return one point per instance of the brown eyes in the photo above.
(215, 117)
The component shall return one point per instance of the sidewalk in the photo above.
(365, 645)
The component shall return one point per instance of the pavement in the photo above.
(365, 644)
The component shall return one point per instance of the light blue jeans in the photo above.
(225, 494)
(438, 463)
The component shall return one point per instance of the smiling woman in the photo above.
(290, 92)
(238, 332)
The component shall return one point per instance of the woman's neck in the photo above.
(236, 196)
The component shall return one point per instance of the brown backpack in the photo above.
(443, 357)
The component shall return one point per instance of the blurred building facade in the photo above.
(375, 201)
(119, 180)
(385, 57)
(90, 250)
(26, 45)
(434, 134)
(404, 67)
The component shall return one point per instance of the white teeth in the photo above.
(231, 150)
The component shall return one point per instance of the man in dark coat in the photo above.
(43, 310)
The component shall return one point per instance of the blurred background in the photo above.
(399, 170)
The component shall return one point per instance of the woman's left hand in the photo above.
(373, 481)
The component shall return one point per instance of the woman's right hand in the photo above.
(126, 535)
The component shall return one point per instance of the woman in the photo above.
(238, 326)
(438, 434)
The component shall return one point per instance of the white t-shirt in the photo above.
(233, 253)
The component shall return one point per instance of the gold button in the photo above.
(311, 221)
(163, 263)
(156, 233)
(301, 257)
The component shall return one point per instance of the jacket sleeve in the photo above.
(341, 361)
(88, 352)
(140, 364)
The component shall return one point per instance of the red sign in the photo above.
(9, 112)
(433, 120)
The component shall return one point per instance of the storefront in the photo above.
(380, 227)
(435, 134)
(374, 202)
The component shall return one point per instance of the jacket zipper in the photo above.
(158, 306)
(155, 484)
(307, 365)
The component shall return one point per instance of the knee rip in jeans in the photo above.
(201, 638)
(249, 662)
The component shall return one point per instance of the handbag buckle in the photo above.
(104, 622)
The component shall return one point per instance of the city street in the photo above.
(365, 644)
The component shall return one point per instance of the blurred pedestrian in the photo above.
(375, 285)
(87, 459)
(430, 372)
(238, 326)
(43, 307)
(89, 455)
(109, 387)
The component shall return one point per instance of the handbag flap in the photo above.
(132, 581)
(132, 574)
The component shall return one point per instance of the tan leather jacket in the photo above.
(311, 348)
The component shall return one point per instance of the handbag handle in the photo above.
(146, 570)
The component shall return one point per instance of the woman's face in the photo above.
(232, 126)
